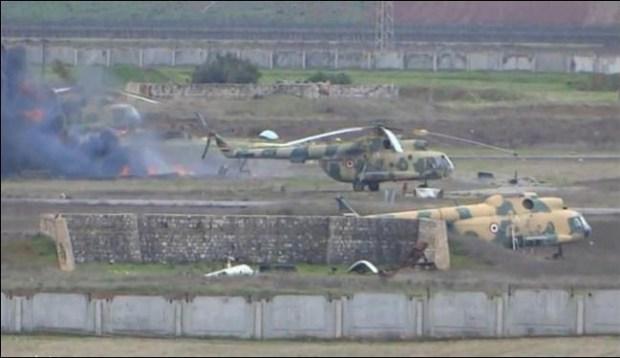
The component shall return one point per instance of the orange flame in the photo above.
(34, 115)
(182, 171)
(152, 170)
(125, 171)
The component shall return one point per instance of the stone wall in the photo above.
(165, 238)
(246, 91)
(435, 314)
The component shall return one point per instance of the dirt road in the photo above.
(83, 347)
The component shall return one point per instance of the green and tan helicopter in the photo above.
(512, 221)
(378, 156)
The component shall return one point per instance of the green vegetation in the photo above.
(597, 82)
(226, 69)
(186, 13)
(334, 78)
(454, 89)
(475, 86)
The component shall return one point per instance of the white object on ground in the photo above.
(239, 270)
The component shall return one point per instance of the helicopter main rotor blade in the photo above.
(141, 98)
(393, 140)
(469, 141)
(202, 120)
(320, 136)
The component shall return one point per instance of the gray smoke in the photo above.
(34, 135)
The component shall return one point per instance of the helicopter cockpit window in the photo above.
(576, 223)
(433, 163)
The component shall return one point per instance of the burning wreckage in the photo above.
(37, 138)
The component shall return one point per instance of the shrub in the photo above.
(597, 82)
(226, 69)
(334, 78)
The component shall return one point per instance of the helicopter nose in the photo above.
(448, 165)
(587, 231)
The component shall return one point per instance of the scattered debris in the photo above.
(429, 193)
(363, 267)
(485, 176)
(239, 270)
(269, 135)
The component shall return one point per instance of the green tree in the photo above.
(334, 78)
(226, 69)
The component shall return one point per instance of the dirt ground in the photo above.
(20, 346)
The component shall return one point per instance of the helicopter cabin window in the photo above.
(528, 204)
(387, 144)
(432, 163)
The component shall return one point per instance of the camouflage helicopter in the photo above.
(512, 221)
(367, 161)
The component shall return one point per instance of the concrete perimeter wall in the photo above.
(521, 312)
(166, 238)
(414, 56)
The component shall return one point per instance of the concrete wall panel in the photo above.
(139, 315)
(258, 57)
(125, 56)
(609, 64)
(288, 59)
(157, 56)
(540, 312)
(379, 315)
(551, 62)
(388, 60)
(92, 56)
(33, 53)
(190, 56)
(218, 316)
(320, 59)
(4, 307)
(518, 62)
(59, 312)
(419, 61)
(299, 316)
(602, 312)
(461, 314)
(451, 61)
(64, 54)
(583, 64)
(347, 59)
(484, 61)
(365, 315)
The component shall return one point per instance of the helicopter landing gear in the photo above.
(373, 186)
(559, 254)
(358, 186)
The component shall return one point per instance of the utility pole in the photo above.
(384, 25)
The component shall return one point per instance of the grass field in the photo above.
(182, 13)
(474, 88)
(89, 346)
